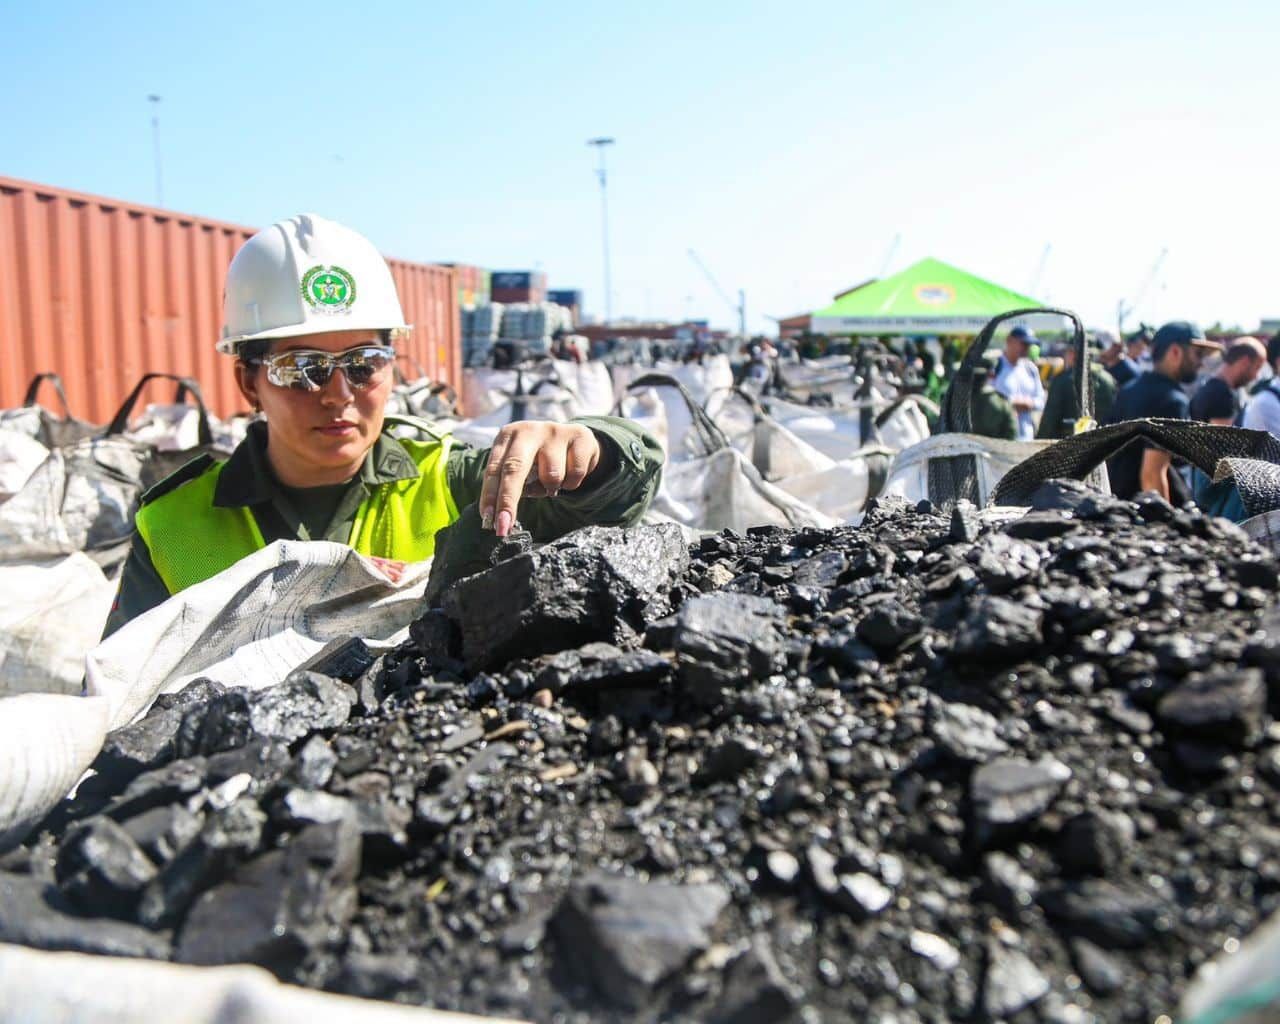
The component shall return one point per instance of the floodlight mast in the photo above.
(154, 100)
(602, 175)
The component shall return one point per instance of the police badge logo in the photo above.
(329, 289)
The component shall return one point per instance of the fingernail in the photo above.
(504, 523)
(486, 519)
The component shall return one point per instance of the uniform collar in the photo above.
(247, 478)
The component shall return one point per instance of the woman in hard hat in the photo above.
(311, 315)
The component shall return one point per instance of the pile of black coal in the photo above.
(934, 768)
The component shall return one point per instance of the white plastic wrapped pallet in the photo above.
(75, 988)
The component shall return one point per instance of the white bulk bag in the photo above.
(724, 491)
(81, 498)
(248, 626)
(993, 458)
(37, 987)
(52, 617)
(20, 454)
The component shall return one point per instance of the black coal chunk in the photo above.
(103, 868)
(966, 732)
(627, 937)
(1110, 914)
(305, 702)
(32, 916)
(889, 626)
(163, 831)
(997, 628)
(279, 907)
(464, 548)
(755, 989)
(229, 835)
(594, 584)
(1094, 842)
(1012, 981)
(1217, 706)
(150, 741)
(1009, 792)
(724, 640)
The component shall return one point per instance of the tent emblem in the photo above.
(935, 294)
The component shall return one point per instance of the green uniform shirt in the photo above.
(616, 494)
(992, 415)
(1061, 410)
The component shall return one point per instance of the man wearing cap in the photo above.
(1218, 399)
(1061, 410)
(1177, 351)
(1019, 381)
(1263, 410)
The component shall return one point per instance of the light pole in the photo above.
(154, 100)
(602, 174)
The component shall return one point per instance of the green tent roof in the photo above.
(929, 297)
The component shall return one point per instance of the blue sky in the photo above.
(788, 143)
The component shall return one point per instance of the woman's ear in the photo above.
(247, 380)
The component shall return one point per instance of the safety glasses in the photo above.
(307, 369)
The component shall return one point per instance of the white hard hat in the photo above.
(307, 275)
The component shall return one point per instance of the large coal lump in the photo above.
(595, 584)
(724, 640)
(281, 906)
(627, 937)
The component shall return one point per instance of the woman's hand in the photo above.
(534, 459)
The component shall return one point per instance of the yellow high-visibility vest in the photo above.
(191, 540)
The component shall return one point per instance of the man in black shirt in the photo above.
(1218, 399)
(1176, 353)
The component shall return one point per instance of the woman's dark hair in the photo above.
(254, 351)
(1273, 349)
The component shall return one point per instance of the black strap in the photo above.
(711, 436)
(33, 389)
(957, 413)
(187, 388)
(1201, 444)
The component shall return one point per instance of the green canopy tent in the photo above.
(929, 297)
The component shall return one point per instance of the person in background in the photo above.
(311, 319)
(1122, 369)
(991, 413)
(1017, 378)
(1061, 410)
(1177, 351)
(1263, 410)
(1217, 400)
(1139, 349)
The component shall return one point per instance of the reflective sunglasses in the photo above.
(307, 369)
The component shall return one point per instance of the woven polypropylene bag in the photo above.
(1204, 445)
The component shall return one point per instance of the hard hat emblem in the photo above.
(328, 289)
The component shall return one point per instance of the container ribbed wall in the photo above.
(101, 292)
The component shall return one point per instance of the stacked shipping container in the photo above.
(102, 291)
(473, 284)
(509, 286)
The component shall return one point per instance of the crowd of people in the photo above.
(1175, 372)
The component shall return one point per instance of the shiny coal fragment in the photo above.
(627, 937)
(594, 584)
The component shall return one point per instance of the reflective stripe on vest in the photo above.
(191, 540)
